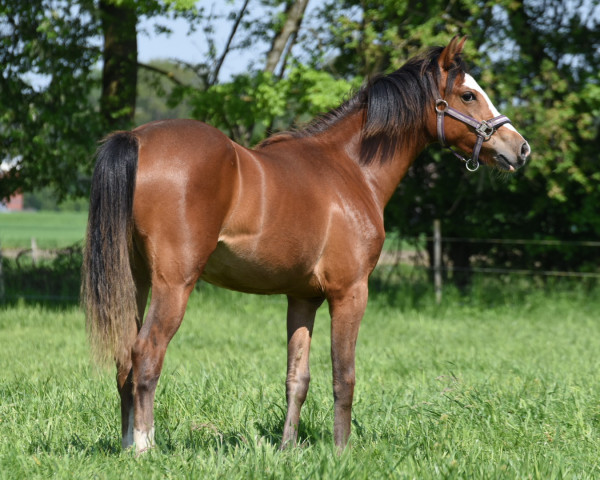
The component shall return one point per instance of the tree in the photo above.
(249, 105)
(156, 80)
(366, 37)
(287, 33)
(119, 54)
(253, 104)
(48, 123)
(555, 70)
(51, 119)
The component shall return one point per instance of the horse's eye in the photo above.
(468, 96)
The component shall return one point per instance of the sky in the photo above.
(152, 46)
(193, 48)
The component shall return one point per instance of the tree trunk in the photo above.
(293, 14)
(119, 75)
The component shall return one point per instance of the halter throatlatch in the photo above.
(484, 130)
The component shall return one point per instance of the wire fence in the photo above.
(417, 258)
(433, 260)
(521, 242)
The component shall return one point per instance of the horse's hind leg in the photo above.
(300, 321)
(124, 369)
(170, 293)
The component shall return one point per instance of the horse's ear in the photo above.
(454, 48)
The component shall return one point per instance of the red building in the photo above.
(14, 203)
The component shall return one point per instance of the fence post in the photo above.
(437, 260)
(2, 291)
(35, 252)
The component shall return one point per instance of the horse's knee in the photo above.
(343, 389)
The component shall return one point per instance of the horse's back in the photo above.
(175, 142)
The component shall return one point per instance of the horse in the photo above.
(301, 215)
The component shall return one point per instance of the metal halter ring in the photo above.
(471, 164)
(444, 105)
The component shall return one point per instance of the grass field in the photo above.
(503, 384)
(50, 229)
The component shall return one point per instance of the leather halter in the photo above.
(484, 130)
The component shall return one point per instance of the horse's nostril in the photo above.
(525, 151)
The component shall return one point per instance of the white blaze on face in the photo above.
(471, 83)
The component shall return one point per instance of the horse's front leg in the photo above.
(347, 310)
(300, 321)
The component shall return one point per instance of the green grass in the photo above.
(50, 229)
(503, 384)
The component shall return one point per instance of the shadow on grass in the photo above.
(106, 446)
(268, 430)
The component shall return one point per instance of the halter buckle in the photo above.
(484, 129)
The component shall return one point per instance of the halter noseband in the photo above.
(484, 130)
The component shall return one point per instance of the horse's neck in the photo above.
(382, 177)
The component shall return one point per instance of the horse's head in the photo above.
(467, 120)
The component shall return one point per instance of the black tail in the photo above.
(107, 288)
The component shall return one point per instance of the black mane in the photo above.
(396, 106)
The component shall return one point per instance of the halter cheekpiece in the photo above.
(484, 130)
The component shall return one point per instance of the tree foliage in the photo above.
(251, 105)
(48, 56)
(52, 114)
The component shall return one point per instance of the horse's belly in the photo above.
(246, 268)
